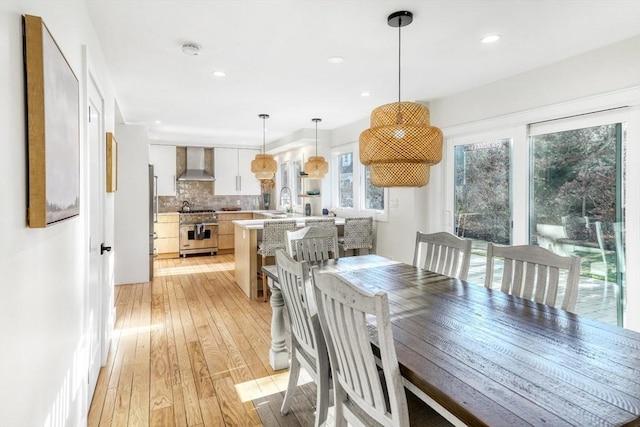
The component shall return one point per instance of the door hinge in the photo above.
(89, 113)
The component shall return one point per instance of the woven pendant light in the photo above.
(401, 145)
(316, 167)
(263, 166)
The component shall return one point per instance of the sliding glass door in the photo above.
(576, 207)
(558, 184)
(482, 199)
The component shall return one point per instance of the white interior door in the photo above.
(94, 315)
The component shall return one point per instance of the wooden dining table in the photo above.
(481, 357)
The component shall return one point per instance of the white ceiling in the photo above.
(275, 56)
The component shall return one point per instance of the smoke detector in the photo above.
(191, 49)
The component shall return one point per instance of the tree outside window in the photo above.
(373, 196)
(482, 191)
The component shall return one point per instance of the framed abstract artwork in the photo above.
(112, 163)
(53, 128)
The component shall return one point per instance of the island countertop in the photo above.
(258, 224)
(246, 249)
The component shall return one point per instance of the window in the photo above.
(576, 208)
(284, 174)
(354, 189)
(373, 196)
(559, 184)
(297, 182)
(289, 176)
(345, 180)
(283, 199)
(481, 169)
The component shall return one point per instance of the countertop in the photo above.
(258, 224)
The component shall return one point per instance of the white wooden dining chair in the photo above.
(533, 273)
(443, 253)
(308, 347)
(344, 311)
(313, 244)
(273, 238)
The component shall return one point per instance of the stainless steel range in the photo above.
(198, 232)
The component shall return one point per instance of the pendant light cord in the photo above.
(399, 118)
(264, 147)
(399, 56)
(316, 120)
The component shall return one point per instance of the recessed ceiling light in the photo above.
(490, 38)
(336, 60)
(365, 93)
(219, 73)
(191, 49)
(157, 122)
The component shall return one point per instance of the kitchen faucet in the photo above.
(285, 198)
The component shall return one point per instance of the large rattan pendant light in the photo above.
(263, 165)
(400, 146)
(316, 167)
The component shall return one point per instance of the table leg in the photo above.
(279, 354)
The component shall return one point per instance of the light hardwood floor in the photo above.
(188, 349)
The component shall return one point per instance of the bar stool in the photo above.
(329, 223)
(358, 234)
(320, 222)
(273, 238)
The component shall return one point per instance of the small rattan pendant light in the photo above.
(400, 146)
(316, 167)
(263, 165)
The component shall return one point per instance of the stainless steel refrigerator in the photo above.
(153, 216)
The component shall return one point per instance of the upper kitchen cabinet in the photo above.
(233, 172)
(163, 158)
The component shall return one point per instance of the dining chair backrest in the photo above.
(313, 244)
(358, 233)
(308, 347)
(533, 273)
(344, 310)
(443, 253)
(322, 223)
(273, 235)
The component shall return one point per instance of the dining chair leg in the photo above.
(322, 390)
(294, 374)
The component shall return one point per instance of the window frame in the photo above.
(292, 178)
(359, 203)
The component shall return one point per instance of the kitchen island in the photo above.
(246, 249)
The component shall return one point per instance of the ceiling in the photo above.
(275, 55)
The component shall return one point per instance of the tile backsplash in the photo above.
(201, 195)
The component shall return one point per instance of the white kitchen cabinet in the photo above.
(163, 159)
(233, 172)
(249, 184)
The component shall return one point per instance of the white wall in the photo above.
(131, 243)
(43, 272)
(603, 70)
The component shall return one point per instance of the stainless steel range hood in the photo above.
(195, 166)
